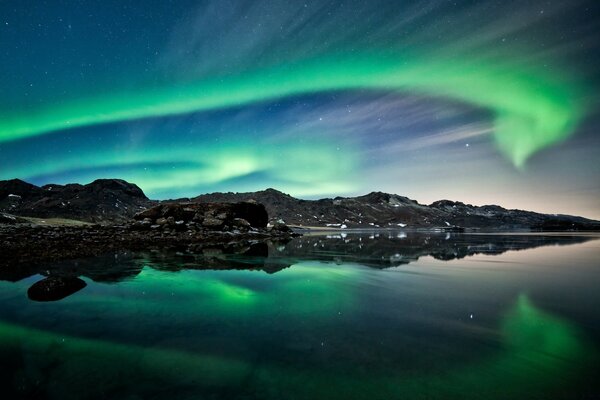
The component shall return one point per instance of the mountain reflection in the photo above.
(375, 250)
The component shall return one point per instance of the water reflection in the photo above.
(327, 320)
(55, 288)
(376, 250)
(538, 354)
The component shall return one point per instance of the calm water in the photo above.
(357, 316)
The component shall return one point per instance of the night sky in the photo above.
(486, 102)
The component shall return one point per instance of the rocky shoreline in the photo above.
(185, 227)
(24, 244)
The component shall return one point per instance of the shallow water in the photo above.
(354, 316)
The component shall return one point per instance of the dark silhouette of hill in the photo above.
(101, 200)
(114, 200)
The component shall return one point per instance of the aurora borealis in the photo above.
(483, 102)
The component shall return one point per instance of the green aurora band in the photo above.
(532, 109)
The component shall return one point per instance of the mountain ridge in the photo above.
(114, 200)
(384, 210)
(101, 200)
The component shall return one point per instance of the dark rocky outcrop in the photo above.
(384, 210)
(24, 245)
(101, 200)
(114, 200)
(17, 187)
(217, 216)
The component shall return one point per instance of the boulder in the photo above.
(161, 221)
(281, 228)
(254, 213)
(198, 217)
(222, 216)
(212, 223)
(150, 213)
(241, 223)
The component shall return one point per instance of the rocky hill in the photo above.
(383, 210)
(101, 200)
(114, 200)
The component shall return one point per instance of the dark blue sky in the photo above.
(483, 102)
